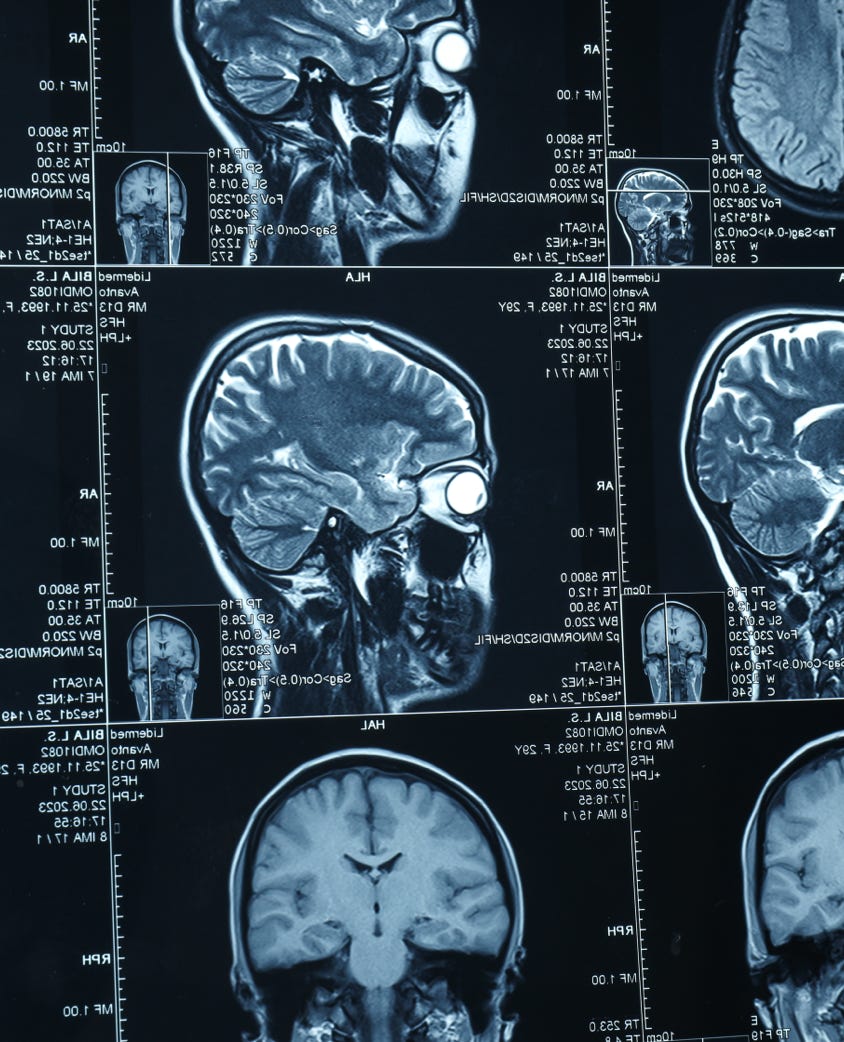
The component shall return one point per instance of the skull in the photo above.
(764, 447)
(341, 471)
(163, 659)
(674, 652)
(359, 116)
(151, 209)
(653, 207)
(793, 860)
(374, 898)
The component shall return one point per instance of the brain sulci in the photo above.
(371, 860)
(263, 43)
(301, 425)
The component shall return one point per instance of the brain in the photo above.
(148, 184)
(170, 643)
(769, 438)
(785, 90)
(372, 860)
(803, 885)
(301, 425)
(264, 42)
(682, 627)
(645, 194)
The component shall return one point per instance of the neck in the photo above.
(311, 226)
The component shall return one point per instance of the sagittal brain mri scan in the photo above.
(764, 458)
(653, 207)
(794, 895)
(780, 97)
(341, 471)
(359, 116)
(373, 897)
(163, 660)
(151, 206)
(674, 652)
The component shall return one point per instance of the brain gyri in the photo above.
(771, 436)
(300, 426)
(263, 44)
(803, 887)
(371, 860)
(784, 92)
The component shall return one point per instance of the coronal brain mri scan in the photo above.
(764, 444)
(674, 647)
(375, 897)
(360, 116)
(793, 886)
(780, 99)
(163, 660)
(342, 472)
(151, 212)
(653, 207)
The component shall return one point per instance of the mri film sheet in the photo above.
(423, 593)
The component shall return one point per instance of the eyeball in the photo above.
(455, 494)
(453, 52)
(466, 493)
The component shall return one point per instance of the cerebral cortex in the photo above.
(372, 860)
(786, 93)
(768, 442)
(803, 885)
(263, 43)
(300, 425)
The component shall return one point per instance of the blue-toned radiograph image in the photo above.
(341, 471)
(375, 897)
(653, 208)
(674, 648)
(151, 210)
(359, 117)
(780, 98)
(793, 861)
(764, 459)
(163, 662)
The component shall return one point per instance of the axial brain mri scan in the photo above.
(778, 87)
